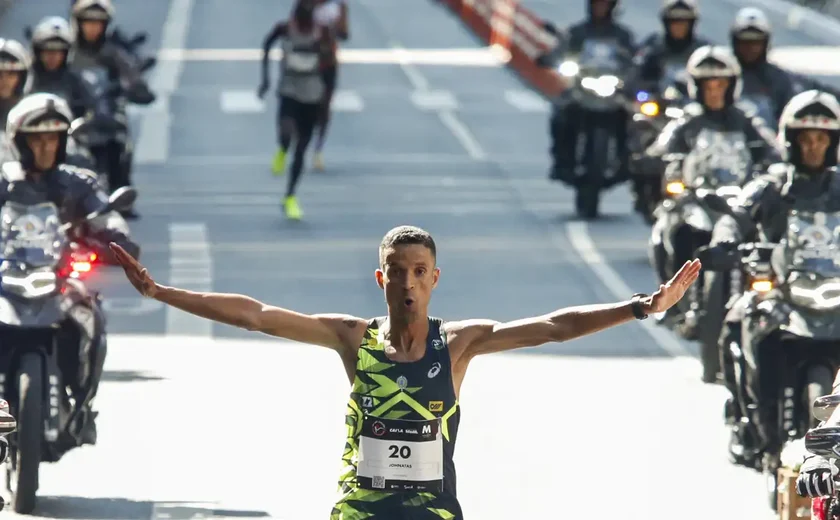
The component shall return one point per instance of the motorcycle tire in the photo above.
(588, 196)
(29, 433)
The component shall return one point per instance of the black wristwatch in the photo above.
(636, 305)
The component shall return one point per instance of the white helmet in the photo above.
(93, 10)
(750, 24)
(679, 10)
(52, 33)
(713, 61)
(14, 57)
(37, 113)
(810, 110)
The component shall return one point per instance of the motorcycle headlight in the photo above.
(650, 108)
(568, 69)
(815, 293)
(30, 285)
(604, 86)
(674, 188)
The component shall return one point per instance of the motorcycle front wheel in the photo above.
(588, 196)
(30, 421)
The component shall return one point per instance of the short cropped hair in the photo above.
(404, 236)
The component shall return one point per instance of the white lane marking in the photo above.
(363, 158)
(347, 101)
(462, 134)
(578, 233)
(810, 60)
(434, 100)
(152, 145)
(190, 268)
(422, 87)
(526, 101)
(481, 57)
(137, 306)
(241, 102)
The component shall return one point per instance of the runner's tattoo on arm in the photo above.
(351, 324)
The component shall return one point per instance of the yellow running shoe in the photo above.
(278, 165)
(318, 161)
(292, 208)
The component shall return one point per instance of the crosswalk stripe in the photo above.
(434, 100)
(526, 101)
(347, 101)
(241, 102)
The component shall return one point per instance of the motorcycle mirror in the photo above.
(717, 203)
(823, 441)
(148, 63)
(138, 40)
(824, 406)
(550, 28)
(122, 198)
(27, 32)
(8, 424)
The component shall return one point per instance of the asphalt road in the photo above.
(203, 421)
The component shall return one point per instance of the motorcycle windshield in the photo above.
(600, 57)
(31, 234)
(812, 244)
(718, 159)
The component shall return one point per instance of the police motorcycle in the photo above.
(109, 124)
(595, 80)
(7, 425)
(40, 302)
(652, 112)
(824, 441)
(719, 164)
(791, 316)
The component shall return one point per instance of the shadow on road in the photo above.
(129, 376)
(79, 508)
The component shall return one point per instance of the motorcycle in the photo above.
(824, 441)
(720, 164)
(595, 84)
(39, 298)
(652, 112)
(791, 313)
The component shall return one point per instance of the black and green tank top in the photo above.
(402, 422)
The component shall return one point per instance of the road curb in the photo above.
(517, 33)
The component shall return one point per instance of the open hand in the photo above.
(672, 292)
(135, 272)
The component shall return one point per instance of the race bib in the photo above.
(400, 455)
(302, 61)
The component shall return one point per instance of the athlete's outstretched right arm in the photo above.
(334, 331)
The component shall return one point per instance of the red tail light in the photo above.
(819, 508)
(81, 262)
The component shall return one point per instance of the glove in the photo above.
(815, 478)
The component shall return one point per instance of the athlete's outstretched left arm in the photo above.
(473, 337)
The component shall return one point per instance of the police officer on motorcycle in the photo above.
(674, 45)
(96, 55)
(37, 129)
(765, 85)
(809, 129)
(129, 45)
(714, 83)
(659, 61)
(52, 43)
(602, 26)
(14, 75)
